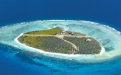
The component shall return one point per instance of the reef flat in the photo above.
(58, 40)
(108, 37)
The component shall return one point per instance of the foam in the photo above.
(107, 36)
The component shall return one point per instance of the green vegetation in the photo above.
(58, 41)
(47, 43)
(53, 31)
(84, 46)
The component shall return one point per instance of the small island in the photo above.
(57, 40)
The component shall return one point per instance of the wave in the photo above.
(107, 36)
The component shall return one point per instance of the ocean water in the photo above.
(20, 16)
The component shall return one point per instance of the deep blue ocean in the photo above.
(16, 11)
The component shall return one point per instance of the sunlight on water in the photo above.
(107, 36)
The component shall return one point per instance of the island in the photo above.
(58, 40)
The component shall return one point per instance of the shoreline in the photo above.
(68, 55)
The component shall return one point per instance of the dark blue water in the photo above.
(16, 62)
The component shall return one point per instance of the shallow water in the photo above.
(28, 61)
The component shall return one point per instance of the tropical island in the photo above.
(57, 40)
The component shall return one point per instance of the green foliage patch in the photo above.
(53, 31)
(48, 43)
(84, 46)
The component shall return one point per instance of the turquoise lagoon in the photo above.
(17, 59)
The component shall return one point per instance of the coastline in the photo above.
(68, 55)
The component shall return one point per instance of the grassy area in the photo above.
(58, 45)
(53, 31)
